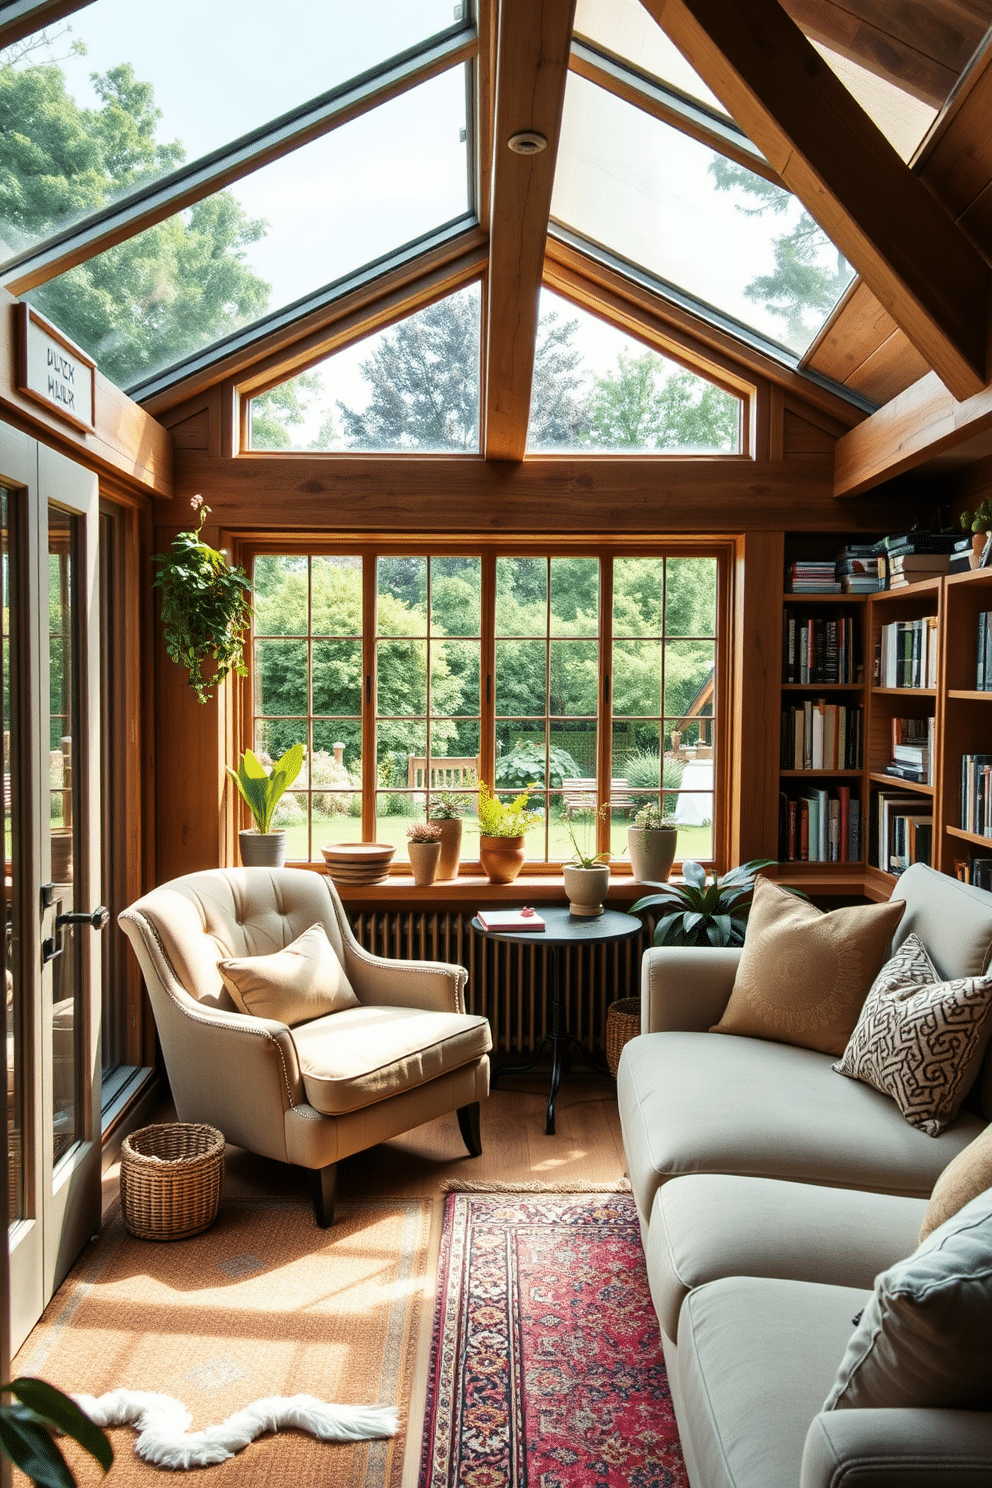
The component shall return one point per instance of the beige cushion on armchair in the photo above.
(404, 1052)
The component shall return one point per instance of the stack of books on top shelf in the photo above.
(900, 831)
(906, 655)
(917, 556)
(912, 750)
(983, 675)
(820, 827)
(976, 794)
(821, 736)
(858, 569)
(809, 577)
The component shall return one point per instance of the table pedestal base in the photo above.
(560, 1044)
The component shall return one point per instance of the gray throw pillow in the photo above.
(923, 1338)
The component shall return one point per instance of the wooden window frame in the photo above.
(248, 546)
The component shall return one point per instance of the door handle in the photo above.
(53, 947)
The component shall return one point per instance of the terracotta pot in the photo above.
(424, 860)
(652, 852)
(501, 858)
(263, 849)
(586, 888)
(451, 847)
(978, 541)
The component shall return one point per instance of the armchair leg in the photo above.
(324, 1184)
(468, 1125)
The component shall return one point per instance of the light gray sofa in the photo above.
(771, 1191)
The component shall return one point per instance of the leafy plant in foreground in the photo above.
(699, 913)
(26, 1426)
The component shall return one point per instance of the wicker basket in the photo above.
(623, 1021)
(171, 1179)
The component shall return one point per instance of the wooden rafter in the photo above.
(23, 18)
(531, 69)
(922, 427)
(922, 46)
(920, 265)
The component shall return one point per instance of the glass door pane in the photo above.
(9, 653)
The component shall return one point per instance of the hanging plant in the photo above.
(205, 607)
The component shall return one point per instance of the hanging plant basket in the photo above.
(206, 611)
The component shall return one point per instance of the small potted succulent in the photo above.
(261, 790)
(424, 848)
(502, 826)
(446, 812)
(652, 838)
(979, 524)
(587, 873)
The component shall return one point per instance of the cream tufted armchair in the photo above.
(405, 1052)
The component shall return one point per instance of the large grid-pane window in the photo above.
(588, 677)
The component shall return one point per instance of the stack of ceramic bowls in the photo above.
(359, 863)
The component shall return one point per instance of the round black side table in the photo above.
(561, 929)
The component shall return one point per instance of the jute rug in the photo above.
(546, 1364)
(262, 1304)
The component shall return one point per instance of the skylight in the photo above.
(271, 238)
(625, 28)
(694, 218)
(597, 390)
(181, 89)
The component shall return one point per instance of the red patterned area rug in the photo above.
(546, 1364)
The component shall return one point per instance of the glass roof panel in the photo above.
(120, 93)
(284, 232)
(625, 28)
(596, 389)
(687, 214)
(903, 119)
(413, 388)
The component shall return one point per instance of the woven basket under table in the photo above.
(623, 1021)
(171, 1178)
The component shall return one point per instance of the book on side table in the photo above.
(510, 919)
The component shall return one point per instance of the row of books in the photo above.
(821, 736)
(906, 655)
(820, 827)
(983, 671)
(893, 562)
(819, 648)
(809, 576)
(977, 871)
(913, 749)
(900, 831)
(976, 794)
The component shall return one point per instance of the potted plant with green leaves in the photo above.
(587, 872)
(28, 1425)
(703, 913)
(446, 812)
(206, 611)
(503, 824)
(979, 524)
(424, 848)
(652, 838)
(261, 790)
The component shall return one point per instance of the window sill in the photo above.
(400, 891)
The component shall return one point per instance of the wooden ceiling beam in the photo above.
(924, 427)
(922, 46)
(533, 43)
(919, 263)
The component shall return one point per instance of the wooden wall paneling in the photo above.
(757, 663)
(464, 494)
(192, 432)
(920, 265)
(956, 160)
(297, 345)
(862, 347)
(675, 330)
(889, 370)
(126, 441)
(923, 425)
(802, 437)
(191, 745)
(776, 425)
(531, 70)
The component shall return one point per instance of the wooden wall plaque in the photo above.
(53, 371)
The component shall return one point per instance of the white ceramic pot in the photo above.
(424, 860)
(586, 888)
(652, 852)
(263, 849)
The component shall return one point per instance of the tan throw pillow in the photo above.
(803, 974)
(923, 1338)
(968, 1175)
(920, 1039)
(304, 980)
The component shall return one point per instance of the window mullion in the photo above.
(487, 672)
(369, 763)
(604, 740)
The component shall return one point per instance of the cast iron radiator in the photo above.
(510, 984)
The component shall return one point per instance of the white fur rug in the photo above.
(165, 1440)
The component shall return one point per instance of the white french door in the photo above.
(52, 865)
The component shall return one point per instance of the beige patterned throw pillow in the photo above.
(920, 1039)
(803, 975)
(964, 1178)
(304, 980)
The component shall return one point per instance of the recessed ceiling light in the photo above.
(527, 142)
